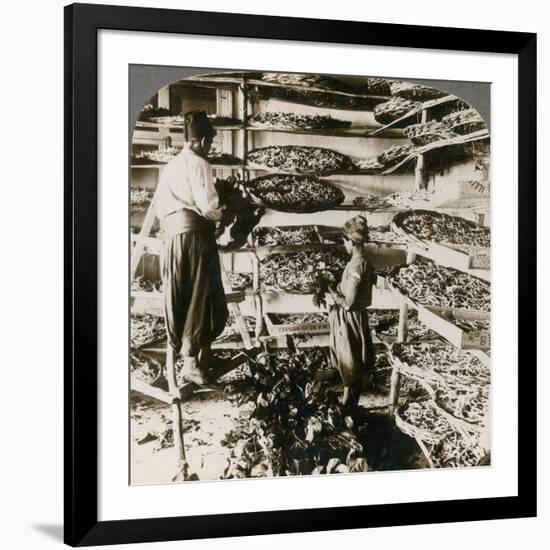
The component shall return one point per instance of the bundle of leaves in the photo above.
(240, 213)
(297, 426)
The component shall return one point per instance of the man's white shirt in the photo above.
(186, 182)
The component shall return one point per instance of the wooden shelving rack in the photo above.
(163, 135)
(440, 321)
(241, 85)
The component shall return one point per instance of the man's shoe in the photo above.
(191, 373)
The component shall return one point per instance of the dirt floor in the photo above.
(208, 417)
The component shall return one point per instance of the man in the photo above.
(188, 206)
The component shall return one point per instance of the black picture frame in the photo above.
(81, 25)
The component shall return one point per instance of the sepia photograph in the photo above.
(310, 275)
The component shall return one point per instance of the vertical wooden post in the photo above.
(259, 315)
(139, 247)
(179, 446)
(420, 179)
(234, 308)
(395, 380)
(164, 97)
(402, 335)
(411, 256)
(395, 384)
(258, 303)
(244, 117)
(403, 327)
(224, 107)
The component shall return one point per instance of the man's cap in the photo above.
(197, 125)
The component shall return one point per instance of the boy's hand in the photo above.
(328, 277)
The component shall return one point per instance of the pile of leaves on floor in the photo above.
(297, 424)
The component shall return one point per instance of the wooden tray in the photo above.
(441, 320)
(153, 303)
(445, 311)
(461, 258)
(275, 329)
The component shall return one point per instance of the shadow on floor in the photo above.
(53, 531)
(386, 447)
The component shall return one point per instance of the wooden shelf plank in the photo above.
(213, 166)
(350, 132)
(382, 298)
(256, 168)
(153, 303)
(354, 172)
(154, 246)
(238, 80)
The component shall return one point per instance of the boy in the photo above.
(351, 347)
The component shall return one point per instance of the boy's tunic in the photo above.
(351, 347)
